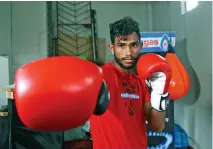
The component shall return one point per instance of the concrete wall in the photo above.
(29, 32)
(194, 48)
(4, 77)
(23, 32)
(5, 42)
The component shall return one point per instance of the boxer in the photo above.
(123, 124)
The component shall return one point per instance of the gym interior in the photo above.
(37, 30)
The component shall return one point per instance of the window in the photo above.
(188, 5)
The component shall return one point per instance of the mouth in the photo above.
(128, 61)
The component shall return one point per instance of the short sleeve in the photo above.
(109, 77)
(147, 94)
(107, 72)
(145, 90)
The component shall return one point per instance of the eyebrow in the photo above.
(129, 43)
(136, 41)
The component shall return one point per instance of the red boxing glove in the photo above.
(157, 72)
(59, 93)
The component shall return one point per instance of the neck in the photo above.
(122, 69)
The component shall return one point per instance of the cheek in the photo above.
(119, 54)
(136, 52)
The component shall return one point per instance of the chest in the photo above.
(126, 98)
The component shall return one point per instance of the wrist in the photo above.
(159, 102)
(153, 109)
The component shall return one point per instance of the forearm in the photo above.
(156, 120)
(157, 73)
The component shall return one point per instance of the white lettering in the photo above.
(132, 96)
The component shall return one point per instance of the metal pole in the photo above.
(93, 32)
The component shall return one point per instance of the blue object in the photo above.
(180, 137)
(157, 41)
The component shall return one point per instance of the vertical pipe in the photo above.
(55, 40)
(11, 53)
(93, 32)
(76, 31)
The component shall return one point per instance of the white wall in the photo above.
(5, 27)
(5, 42)
(23, 32)
(4, 77)
(194, 44)
(29, 32)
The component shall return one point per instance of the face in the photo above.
(126, 51)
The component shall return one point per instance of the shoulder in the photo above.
(108, 65)
(107, 69)
(109, 73)
(142, 82)
(146, 90)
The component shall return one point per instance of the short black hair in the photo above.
(123, 27)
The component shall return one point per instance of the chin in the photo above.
(128, 67)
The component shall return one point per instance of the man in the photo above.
(123, 124)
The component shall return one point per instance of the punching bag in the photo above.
(180, 82)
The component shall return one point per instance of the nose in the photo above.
(128, 51)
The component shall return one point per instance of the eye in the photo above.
(120, 45)
(135, 45)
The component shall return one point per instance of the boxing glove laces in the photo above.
(155, 83)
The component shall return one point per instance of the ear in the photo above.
(141, 44)
(111, 48)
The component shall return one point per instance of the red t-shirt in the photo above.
(122, 126)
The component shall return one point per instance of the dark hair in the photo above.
(123, 27)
